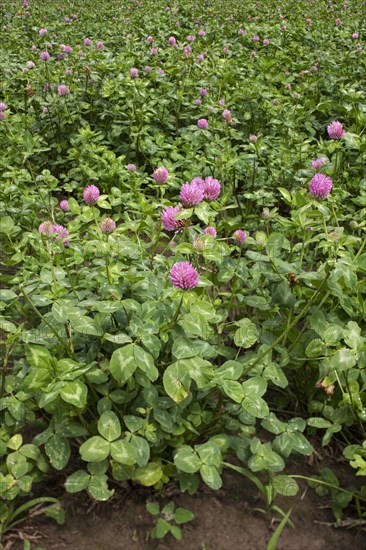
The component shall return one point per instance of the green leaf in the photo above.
(75, 392)
(30, 451)
(142, 449)
(185, 347)
(149, 475)
(352, 336)
(264, 458)
(187, 460)
(255, 406)
(176, 532)
(272, 545)
(123, 364)
(6, 295)
(6, 224)
(195, 325)
(203, 212)
(120, 338)
(188, 482)
(273, 424)
(184, 214)
(177, 381)
(285, 485)
(231, 370)
(63, 312)
(17, 464)
(211, 477)
(317, 422)
(15, 442)
(316, 348)
(258, 302)
(96, 468)
(133, 423)
(123, 452)
(274, 245)
(281, 292)
(283, 444)
(344, 359)
(109, 426)
(296, 424)
(275, 373)
(209, 454)
(74, 206)
(182, 515)
(145, 362)
(204, 309)
(161, 529)
(55, 512)
(94, 449)
(29, 504)
(87, 326)
(103, 204)
(300, 443)
(254, 386)
(153, 508)
(199, 369)
(98, 488)
(286, 195)
(330, 432)
(58, 451)
(39, 357)
(246, 335)
(233, 390)
(168, 509)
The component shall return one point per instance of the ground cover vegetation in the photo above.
(183, 285)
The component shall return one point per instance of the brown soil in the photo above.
(224, 520)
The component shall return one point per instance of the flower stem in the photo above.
(175, 316)
(64, 345)
(69, 274)
(289, 327)
(110, 281)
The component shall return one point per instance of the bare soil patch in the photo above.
(224, 520)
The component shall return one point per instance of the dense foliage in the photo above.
(136, 343)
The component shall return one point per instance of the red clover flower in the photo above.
(64, 205)
(240, 236)
(211, 189)
(202, 123)
(320, 186)
(335, 130)
(91, 194)
(168, 218)
(107, 225)
(183, 275)
(191, 194)
(160, 175)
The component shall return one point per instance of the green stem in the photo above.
(324, 299)
(170, 326)
(69, 274)
(95, 218)
(302, 248)
(64, 345)
(325, 228)
(234, 280)
(289, 327)
(361, 249)
(334, 214)
(175, 316)
(326, 484)
(110, 281)
(4, 371)
(69, 338)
